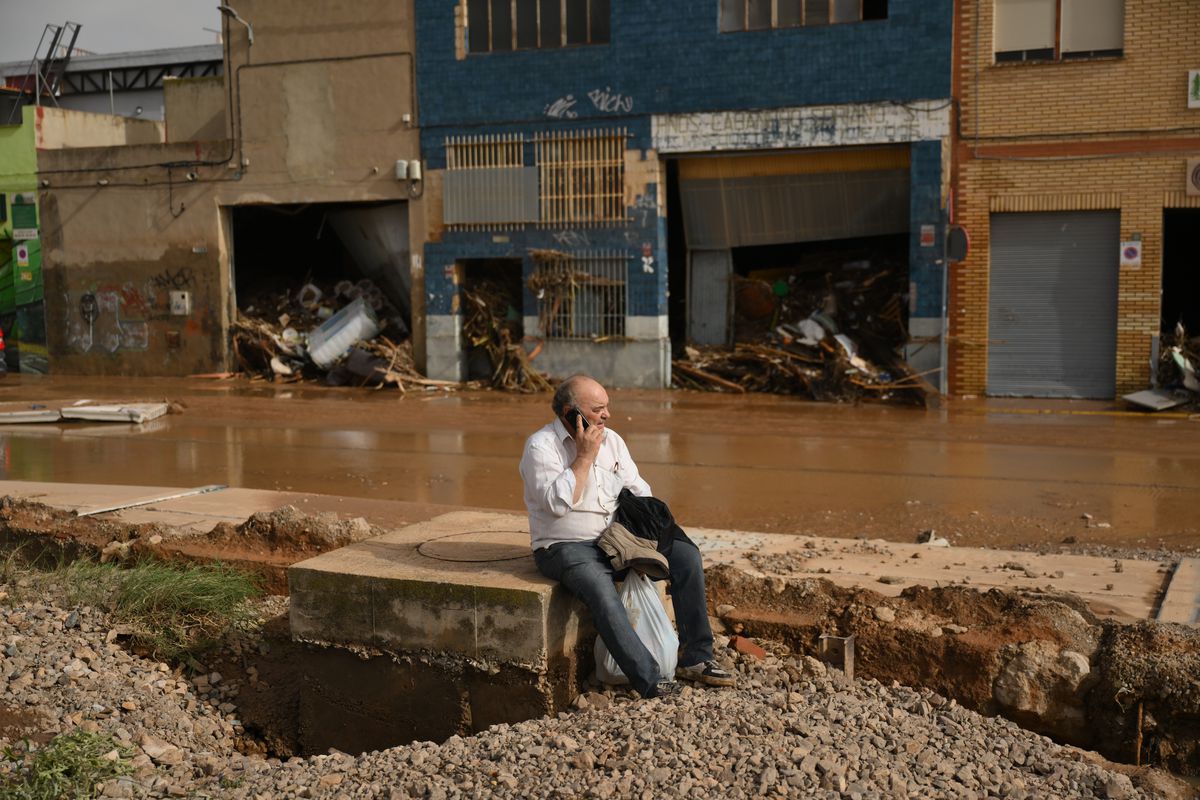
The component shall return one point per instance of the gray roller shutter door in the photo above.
(1052, 304)
(708, 296)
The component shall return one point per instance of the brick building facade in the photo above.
(1081, 134)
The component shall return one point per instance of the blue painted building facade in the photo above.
(719, 106)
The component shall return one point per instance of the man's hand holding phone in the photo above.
(587, 436)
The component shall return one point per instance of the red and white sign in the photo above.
(1131, 255)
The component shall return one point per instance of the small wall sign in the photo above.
(1131, 255)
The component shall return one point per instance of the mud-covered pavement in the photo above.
(996, 473)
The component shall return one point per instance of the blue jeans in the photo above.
(584, 569)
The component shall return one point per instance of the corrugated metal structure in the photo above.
(1052, 310)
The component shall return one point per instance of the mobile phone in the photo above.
(573, 416)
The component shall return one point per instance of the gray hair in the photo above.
(564, 395)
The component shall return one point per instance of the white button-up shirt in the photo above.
(550, 486)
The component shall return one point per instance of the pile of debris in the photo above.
(1175, 382)
(335, 334)
(497, 334)
(1178, 361)
(832, 336)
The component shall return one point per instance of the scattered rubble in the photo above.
(488, 325)
(1179, 357)
(830, 335)
(792, 727)
(348, 333)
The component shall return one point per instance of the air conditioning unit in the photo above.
(1193, 177)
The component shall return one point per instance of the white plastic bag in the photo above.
(649, 619)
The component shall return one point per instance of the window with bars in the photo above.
(581, 295)
(581, 177)
(1049, 30)
(753, 15)
(578, 179)
(502, 25)
(487, 183)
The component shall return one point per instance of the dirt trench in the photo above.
(1130, 692)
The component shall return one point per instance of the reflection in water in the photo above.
(752, 463)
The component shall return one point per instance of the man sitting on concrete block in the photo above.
(574, 469)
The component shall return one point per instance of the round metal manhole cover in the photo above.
(478, 546)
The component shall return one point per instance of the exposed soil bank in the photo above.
(264, 545)
(1128, 691)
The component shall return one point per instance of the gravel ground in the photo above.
(790, 729)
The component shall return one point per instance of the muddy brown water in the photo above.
(989, 473)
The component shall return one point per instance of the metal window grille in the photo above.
(581, 177)
(581, 295)
(487, 185)
(485, 152)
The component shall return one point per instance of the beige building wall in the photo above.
(1094, 134)
(323, 106)
(56, 128)
(195, 109)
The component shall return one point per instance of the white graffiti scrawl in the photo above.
(562, 108)
(610, 102)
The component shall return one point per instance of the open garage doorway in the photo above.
(759, 243)
(1181, 270)
(492, 313)
(296, 265)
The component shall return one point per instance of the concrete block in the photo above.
(444, 627)
(462, 584)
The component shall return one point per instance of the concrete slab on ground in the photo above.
(1121, 589)
(199, 513)
(1182, 600)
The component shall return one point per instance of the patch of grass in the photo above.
(180, 611)
(72, 765)
(172, 611)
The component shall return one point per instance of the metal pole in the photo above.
(112, 108)
(216, 487)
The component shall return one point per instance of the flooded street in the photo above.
(984, 474)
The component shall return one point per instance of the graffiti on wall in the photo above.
(609, 102)
(808, 126)
(562, 108)
(605, 100)
(571, 238)
(645, 208)
(108, 319)
(182, 278)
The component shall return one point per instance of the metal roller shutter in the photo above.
(1052, 304)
